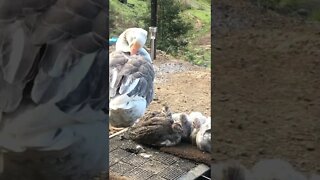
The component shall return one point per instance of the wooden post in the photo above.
(154, 13)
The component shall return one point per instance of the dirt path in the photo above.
(267, 76)
(182, 86)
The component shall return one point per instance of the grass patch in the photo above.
(315, 15)
(200, 16)
(197, 12)
(198, 56)
(312, 7)
(125, 15)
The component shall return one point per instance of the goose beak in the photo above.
(135, 46)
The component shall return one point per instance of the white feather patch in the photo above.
(133, 85)
(114, 78)
(126, 102)
(197, 115)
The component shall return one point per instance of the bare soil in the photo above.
(266, 86)
(182, 86)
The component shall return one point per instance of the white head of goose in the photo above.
(131, 77)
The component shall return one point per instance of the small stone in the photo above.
(220, 139)
(303, 163)
(145, 155)
(244, 154)
(140, 148)
(261, 151)
(310, 147)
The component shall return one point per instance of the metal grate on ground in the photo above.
(149, 164)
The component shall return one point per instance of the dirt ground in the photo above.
(182, 86)
(267, 78)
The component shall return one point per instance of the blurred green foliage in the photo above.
(309, 9)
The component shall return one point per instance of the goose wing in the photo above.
(130, 75)
(53, 56)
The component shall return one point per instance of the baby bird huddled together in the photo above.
(157, 129)
(168, 129)
(197, 129)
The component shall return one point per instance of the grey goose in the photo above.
(131, 77)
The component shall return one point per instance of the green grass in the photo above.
(198, 56)
(291, 3)
(199, 11)
(205, 18)
(291, 6)
(125, 16)
(315, 15)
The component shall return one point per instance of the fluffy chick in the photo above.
(157, 129)
(183, 120)
(196, 119)
(203, 138)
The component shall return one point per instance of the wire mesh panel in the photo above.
(134, 161)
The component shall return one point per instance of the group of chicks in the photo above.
(168, 129)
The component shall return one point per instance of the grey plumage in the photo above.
(157, 129)
(53, 89)
(203, 138)
(137, 68)
(131, 77)
(182, 119)
(129, 102)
